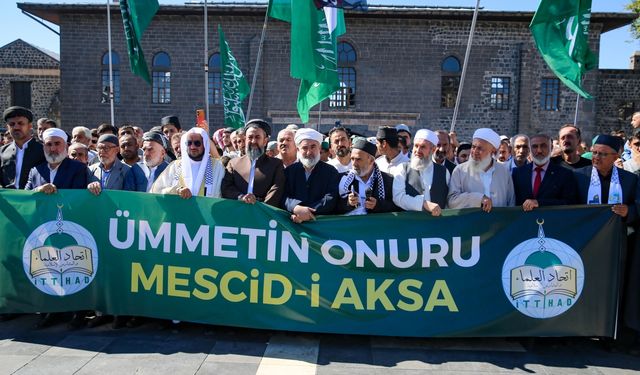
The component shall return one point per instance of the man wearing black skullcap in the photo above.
(170, 126)
(153, 156)
(255, 176)
(365, 189)
(18, 157)
(389, 147)
(604, 183)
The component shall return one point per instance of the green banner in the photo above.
(550, 272)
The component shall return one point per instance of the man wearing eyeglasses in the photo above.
(196, 173)
(110, 173)
(604, 183)
(632, 164)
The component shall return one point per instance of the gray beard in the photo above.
(255, 152)
(541, 162)
(309, 163)
(480, 165)
(55, 159)
(420, 164)
(153, 163)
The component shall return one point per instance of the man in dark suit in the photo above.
(311, 186)
(110, 173)
(18, 157)
(58, 172)
(365, 189)
(442, 150)
(542, 183)
(604, 183)
(255, 177)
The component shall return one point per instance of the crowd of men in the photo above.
(309, 174)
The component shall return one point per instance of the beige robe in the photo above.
(466, 188)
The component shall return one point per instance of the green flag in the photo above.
(280, 9)
(234, 85)
(136, 16)
(560, 30)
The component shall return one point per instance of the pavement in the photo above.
(199, 349)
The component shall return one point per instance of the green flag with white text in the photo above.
(234, 86)
(136, 16)
(560, 30)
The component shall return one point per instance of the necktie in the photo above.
(537, 181)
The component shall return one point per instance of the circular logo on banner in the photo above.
(60, 257)
(543, 277)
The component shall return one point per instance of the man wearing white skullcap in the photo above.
(482, 181)
(311, 185)
(58, 172)
(196, 173)
(421, 184)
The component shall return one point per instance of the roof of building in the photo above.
(20, 54)
(52, 12)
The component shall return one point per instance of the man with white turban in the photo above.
(311, 185)
(196, 173)
(58, 172)
(422, 184)
(482, 181)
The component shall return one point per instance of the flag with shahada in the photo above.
(234, 86)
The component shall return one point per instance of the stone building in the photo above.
(397, 64)
(30, 77)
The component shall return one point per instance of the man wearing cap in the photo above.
(196, 173)
(255, 177)
(58, 172)
(422, 185)
(153, 157)
(442, 150)
(365, 189)
(340, 142)
(388, 144)
(482, 181)
(110, 173)
(287, 147)
(325, 153)
(405, 133)
(604, 183)
(542, 183)
(18, 157)
(272, 149)
(311, 187)
(170, 125)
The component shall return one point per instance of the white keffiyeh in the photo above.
(595, 188)
(192, 180)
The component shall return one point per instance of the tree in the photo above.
(634, 6)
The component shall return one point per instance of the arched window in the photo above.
(115, 65)
(451, 69)
(346, 96)
(215, 79)
(161, 78)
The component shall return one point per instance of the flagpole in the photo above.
(464, 67)
(319, 116)
(111, 99)
(575, 118)
(257, 66)
(206, 67)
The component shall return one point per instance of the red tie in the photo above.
(537, 181)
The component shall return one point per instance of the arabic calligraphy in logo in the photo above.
(60, 257)
(543, 277)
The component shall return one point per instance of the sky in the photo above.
(616, 46)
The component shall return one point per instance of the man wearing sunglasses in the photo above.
(196, 173)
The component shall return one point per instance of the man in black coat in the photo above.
(543, 183)
(365, 189)
(311, 185)
(18, 157)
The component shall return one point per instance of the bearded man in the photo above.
(196, 173)
(58, 172)
(422, 184)
(543, 183)
(482, 181)
(365, 189)
(311, 186)
(340, 143)
(153, 157)
(255, 177)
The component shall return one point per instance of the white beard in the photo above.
(541, 162)
(151, 163)
(420, 164)
(55, 159)
(308, 163)
(480, 165)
